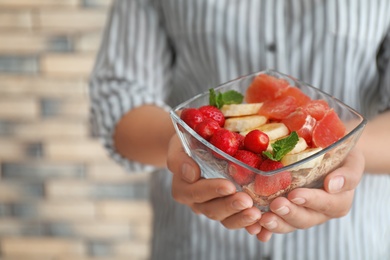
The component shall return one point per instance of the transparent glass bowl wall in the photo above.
(303, 172)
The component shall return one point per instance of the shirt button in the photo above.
(271, 47)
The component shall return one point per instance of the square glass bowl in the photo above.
(308, 172)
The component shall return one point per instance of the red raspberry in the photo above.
(268, 185)
(213, 113)
(226, 141)
(191, 116)
(207, 128)
(241, 175)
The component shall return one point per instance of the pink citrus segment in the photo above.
(278, 108)
(317, 108)
(328, 130)
(264, 87)
(300, 97)
(301, 122)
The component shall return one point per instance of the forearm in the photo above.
(375, 144)
(143, 135)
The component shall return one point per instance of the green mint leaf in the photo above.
(281, 147)
(269, 155)
(232, 97)
(219, 99)
(212, 97)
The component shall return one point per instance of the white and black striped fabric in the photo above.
(166, 51)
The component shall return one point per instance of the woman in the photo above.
(156, 54)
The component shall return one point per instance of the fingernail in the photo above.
(239, 205)
(267, 237)
(225, 192)
(188, 172)
(255, 230)
(282, 211)
(271, 225)
(250, 219)
(298, 201)
(336, 183)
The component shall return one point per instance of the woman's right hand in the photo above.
(217, 199)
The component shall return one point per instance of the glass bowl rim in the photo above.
(176, 118)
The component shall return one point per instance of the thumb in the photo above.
(180, 164)
(348, 176)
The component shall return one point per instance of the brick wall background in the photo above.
(61, 197)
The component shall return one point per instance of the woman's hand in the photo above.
(217, 199)
(304, 208)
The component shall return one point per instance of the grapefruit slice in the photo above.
(328, 130)
(278, 108)
(264, 87)
(317, 108)
(301, 122)
(301, 98)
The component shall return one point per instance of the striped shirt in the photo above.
(165, 51)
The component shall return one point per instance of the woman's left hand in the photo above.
(304, 208)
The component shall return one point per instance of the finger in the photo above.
(348, 176)
(318, 207)
(242, 219)
(285, 217)
(221, 208)
(308, 207)
(275, 224)
(180, 164)
(254, 229)
(332, 205)
(264, 235)
(201, 191)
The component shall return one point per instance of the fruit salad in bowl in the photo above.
(268, 133)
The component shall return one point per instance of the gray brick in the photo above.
(12, 227)
(36, 171)
(23, 190)
(19, 64)
(95, 3)
(50, 107)
(121, 191)
(60, 44)
(32, 229)
(33, 190)
(99, 248)
(34, 150)
(6, 128)
(59, 229)
(24, 210)
(5, 210)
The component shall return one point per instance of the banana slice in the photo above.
(299, 147)
(240, 109)
(273, 130)
(243, 123)
(292, 158)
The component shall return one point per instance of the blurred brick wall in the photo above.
(61, 197)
